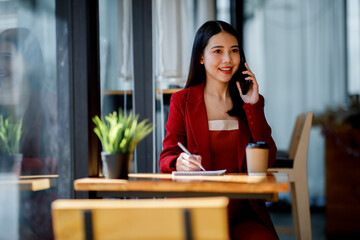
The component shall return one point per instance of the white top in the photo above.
(223, 125)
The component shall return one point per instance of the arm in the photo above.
(175, 132)
(254, 109)
(259, 128)
(172, 158)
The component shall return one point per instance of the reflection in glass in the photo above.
(24, 97)
(28, 93)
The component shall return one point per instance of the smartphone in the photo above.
(240, 77)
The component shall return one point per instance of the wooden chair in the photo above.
(190, 218)
(297, 172)
(285, 159)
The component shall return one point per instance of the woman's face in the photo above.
(221, 57)
(11, 67)
(11, 74)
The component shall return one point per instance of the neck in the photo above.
(217, 89)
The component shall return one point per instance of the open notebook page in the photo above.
(199, 173)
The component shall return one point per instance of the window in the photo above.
(122, 86)
(143, 32)
(353, 46)
(116, 55)
(32, 93)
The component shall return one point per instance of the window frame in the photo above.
(78, 75)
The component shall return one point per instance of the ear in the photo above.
(202, 60)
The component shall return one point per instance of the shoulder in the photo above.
(178, 100)
(192, 95)
(182, 94)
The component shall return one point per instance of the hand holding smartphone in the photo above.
(240, 77)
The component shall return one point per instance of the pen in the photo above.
(188, 153)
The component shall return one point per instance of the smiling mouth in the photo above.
(226, 70)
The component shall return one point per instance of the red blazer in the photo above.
(187, 123)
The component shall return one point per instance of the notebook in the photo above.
(199, 173)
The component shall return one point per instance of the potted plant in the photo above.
(10, 134)
(119, 134)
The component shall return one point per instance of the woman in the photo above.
(25, 94)
(215, 121)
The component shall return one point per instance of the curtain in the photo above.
(297, 51)
(116, 58)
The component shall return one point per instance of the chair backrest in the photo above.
(190, 218)
(300, 157)
(295, 137)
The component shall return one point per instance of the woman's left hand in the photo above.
(252, 96)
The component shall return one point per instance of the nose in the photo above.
(227, 57)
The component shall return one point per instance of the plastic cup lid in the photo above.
(258, 145)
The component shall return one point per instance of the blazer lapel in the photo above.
(199, 127)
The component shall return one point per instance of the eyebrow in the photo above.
(219, 46)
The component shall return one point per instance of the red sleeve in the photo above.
(259, 128)
(175, 132)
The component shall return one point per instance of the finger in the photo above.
(248, 73)
(194, 160)
(247, 66)
(250, 78)
(189, 166)
(198, 158)
(239, 88)
(189, 159)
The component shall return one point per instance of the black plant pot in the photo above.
(11, 163)
(116, 166)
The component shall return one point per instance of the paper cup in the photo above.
(257, 155)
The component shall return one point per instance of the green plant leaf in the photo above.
(10, 135)
(120, 133)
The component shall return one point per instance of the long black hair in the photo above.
(28, 46)
(197, 73)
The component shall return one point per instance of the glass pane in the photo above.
(223, 10)
(116, 58)
(29, 147)
(172, 49)
(116, 61)
(353, 46)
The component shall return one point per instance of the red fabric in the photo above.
(244, 222)
(223, 150)
(34, 166)
(187, 123)
(250, 230)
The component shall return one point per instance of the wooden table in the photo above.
(32, 183)
(165, 185)
(37, 182)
